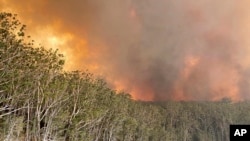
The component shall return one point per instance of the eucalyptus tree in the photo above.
(26, 71)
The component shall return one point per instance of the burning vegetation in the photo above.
(39, 100)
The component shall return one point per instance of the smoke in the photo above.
(155, 50)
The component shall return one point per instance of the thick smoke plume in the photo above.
(153, 49)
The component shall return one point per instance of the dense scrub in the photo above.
(39, 101)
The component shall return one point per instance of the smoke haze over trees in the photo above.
(40, 101)
(164, 49)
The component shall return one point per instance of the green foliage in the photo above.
(39, 101)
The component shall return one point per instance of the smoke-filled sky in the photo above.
(152, 49)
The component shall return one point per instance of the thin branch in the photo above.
(11, 112)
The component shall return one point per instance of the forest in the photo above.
(39, 101)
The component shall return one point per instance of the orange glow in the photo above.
(224, 80)
(226, 87)
(190, 63)
(193, 49)
(133, 13)
(146, 94)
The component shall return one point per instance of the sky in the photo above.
(153, 49)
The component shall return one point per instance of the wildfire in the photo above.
(153, 50)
